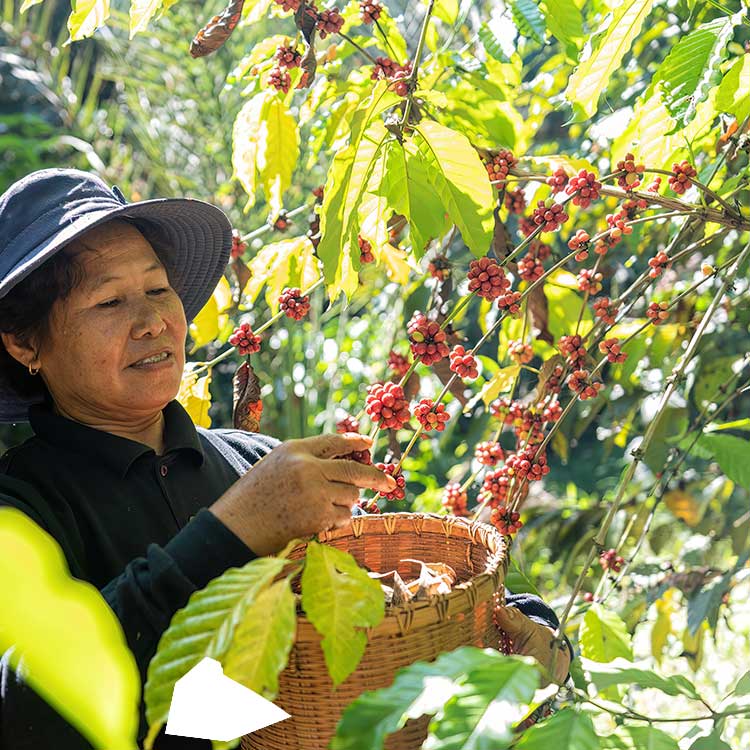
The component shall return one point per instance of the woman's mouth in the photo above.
(153, 360)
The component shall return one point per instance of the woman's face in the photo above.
(123, 312)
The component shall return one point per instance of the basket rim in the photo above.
(446, 524)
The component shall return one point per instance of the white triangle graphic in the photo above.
(207, 704)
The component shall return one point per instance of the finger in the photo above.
(339, 517)
(511, 620)
(341, 494)
(330, 446)
(365, 476)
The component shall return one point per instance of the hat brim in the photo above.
(199, 238)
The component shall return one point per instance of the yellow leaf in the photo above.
(195, 397)
(501, 382)
(396, 263)
(71, 647)
(245, 139)
(693, 646)
(211, 318)
(560, 446)
(665, 607)
(684, 506)
(87, 16)
(28, 4)
(141, 12)
(277, 153)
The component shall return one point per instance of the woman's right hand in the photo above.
(300, 488)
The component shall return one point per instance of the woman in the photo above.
(95, 299)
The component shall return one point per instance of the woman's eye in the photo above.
(109, 303)
(160, 290)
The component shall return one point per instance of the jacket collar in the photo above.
(117, 452)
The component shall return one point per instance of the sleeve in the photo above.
(144, 597)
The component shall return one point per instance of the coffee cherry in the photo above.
(588, 596)
(463, 363)
(540, 250)
(681, 176)
(554, 381)
(499, 166)
(427, 340)
(398, 363)
(430, 416)
(526, 226)
(287, 56)
(658, 263)
(658, 312)
(530, 268)
(329, 21)
(347, 424)
(238, 246)
(549, 215)
(361, 457)
(294, 304)
(279, 79)
(495, 485)
(525, 465)
(632, 173)
(515, 201)
(611, 347)
(631, 207)
(318, 193)
(400, 492)
(610, 560)
(552, 411)
(440, 268)
(506, 410)
(580, 242)
(579, 381)
(584, 188)
(529, 428)
(368, 505)
(605, 310)
(369, 11)
(455, 500)
(288, 5)
(617, 229)
(655, 185)
(365, 251)
(488, 453)
(386, 405)
(487, 278)
(245, 340)
(520, 352)
(510, 302)
(384, 68)
(590, 282)
(558, 180)
(572, 348)
(507, 522)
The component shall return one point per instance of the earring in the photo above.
(34, 370)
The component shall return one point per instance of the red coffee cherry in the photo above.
(361, 457)
(487, 278)
(440, 268)
(681, 176)
(329, 21)
(287, 56)
(238, 246)
(530, 268)
(279, 79)
(365, 251)
(386, 405)
(655, 185)
(368, 505)
(558, 180)
(540, 250)
(288, 5)
(610, 560)
(455, 500)
(579, 381)
(515, 201)
(507, 522)
(605, 310)
(294, 304)
(572, 348)
(632, 173)
(369, 11)
(400, 492)
(245, 340)
(495, 485)
(658, 312)
(580, 242)
(554, 382)
(384, 68)
(525, 465)
(520, 352)
(588, 281)
(549, 215)
(463, 363)
(552, 411)
(398, 363)
(510, 302)
(611, 347)
(488, 453)
(658, 263)
(584, 188)
(401, 78)
(500, 165)
(347, 424)
(526, 226)
(427, 340)
(431, 417)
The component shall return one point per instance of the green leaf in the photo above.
(517, 581)
(731, 453)
(711, 741)
(689, 70)
(263, 639)
(593, 75)
(736, 424)
(734, 91)
(141, 12)
(642, 738)
(460, 179)
(245, 143)
(528, 19)
(340, 600)
(278, 151)
(63, 638)
(603, 635)
(254, 10)
(564, 305)
(743, 685)
(445, 10)
(26, 4)
(565, 729)
(423, 688)
(565, 23)
(622, 672)
(492, 45)
(86, 17)
(204, 627)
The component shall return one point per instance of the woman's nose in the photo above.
(148, 320)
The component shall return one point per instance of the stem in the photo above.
(415, 65)
(710, 193)
(268, 227)
(357, 46)
(385, 39)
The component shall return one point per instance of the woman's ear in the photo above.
(20, 350)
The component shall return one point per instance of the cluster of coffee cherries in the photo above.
(499, 166)
(682, 176)
(455, 500)
(286, 58)
(369, 11)
(245, 340)
(507, 522)
(430, 415)
(439, 268)
(631, 174)
(584, 188)
(399, 493)
(611, 347)
(398, 363)
(398, 76)
(658, 264)
(610, 560)
(365, 251)
(238, 246)
(294, 304)
(487, 278)
(386, 405)
(657, 312)
(463, 363)
(427, 339)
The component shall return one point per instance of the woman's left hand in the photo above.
(530, 638)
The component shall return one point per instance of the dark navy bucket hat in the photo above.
(47, 209)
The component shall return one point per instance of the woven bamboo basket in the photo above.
(417, 631)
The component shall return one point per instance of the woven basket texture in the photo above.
(417, 631)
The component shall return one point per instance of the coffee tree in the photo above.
(523, 263)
